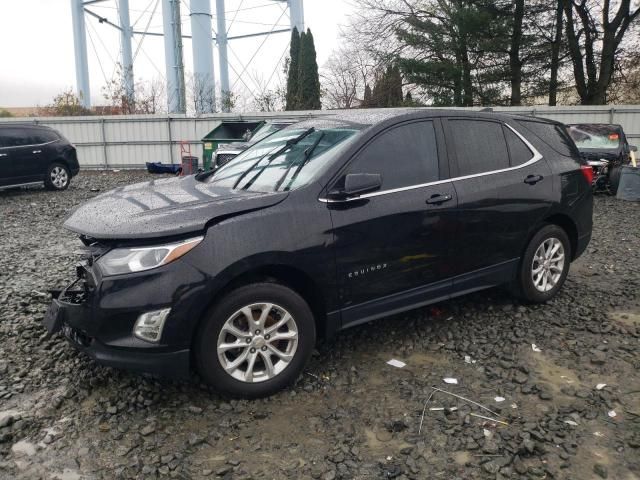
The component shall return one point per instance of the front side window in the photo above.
(480, 146)
(284, 161)
(16, 137)
(405, 155)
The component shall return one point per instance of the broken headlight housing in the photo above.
(139, 259)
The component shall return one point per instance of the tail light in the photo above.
(587, 171)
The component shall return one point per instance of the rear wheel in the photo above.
(614, 180)
(57, 177)
(256, 340)
(544, 266)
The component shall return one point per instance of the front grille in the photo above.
(223, 158)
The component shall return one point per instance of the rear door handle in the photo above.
(37, 151)
(437, 199)
(3, 154)
(533, 179)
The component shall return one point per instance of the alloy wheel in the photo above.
(548, 264)
(257, 342)
(59, 177)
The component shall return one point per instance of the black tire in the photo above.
(523, 286)
(58, 177)
(614, 180)
(206, 342)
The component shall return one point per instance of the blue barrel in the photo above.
(629, 188)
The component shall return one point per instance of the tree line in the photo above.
(488, 52)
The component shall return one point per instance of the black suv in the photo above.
(33, 154)
(326, 224)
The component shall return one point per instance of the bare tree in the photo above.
(151, 97)
(595, 33)
(65, 104)
(202, 94)
(348, 71)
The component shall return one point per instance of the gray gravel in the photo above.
(350, 415)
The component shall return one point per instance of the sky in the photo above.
(37, 53)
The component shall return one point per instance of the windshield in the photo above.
(595, 136)
(275, 165)
(264, 131)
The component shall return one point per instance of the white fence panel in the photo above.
(130, 141)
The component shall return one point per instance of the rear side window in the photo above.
(552, 135)
(44, 136)
(404, 155)
(480, 146)
(518, 150)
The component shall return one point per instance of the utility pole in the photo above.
(126, 32)
(173, 56)
(80, 49)
(225, 89)
(202, 44)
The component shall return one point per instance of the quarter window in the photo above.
(405, 155)
(552, 135)
(480, 146)
(518, 150)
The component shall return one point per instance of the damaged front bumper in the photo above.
(105, 335)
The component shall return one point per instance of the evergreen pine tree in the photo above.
(387, 91)
(408, 100)
(395, 93)
(367, 101)
(294, 71)
(308, 79)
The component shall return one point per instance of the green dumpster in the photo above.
(227, 132)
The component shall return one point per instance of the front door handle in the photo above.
(438, 199)
(3, 154)
(37, 151)
(533, 179)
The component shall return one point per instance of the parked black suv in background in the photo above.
(35, 153)
(326, 224)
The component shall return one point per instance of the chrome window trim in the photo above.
(30, 145)
(537, 156)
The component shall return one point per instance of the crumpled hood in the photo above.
(162, 208)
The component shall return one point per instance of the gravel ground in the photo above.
(350, 415)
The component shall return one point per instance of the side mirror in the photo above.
(357, 184)
(633, 148)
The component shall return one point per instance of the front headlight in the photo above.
(138, 259)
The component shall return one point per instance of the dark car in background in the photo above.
(34, 153)
(326, 224)
(605, 148)
(228, 151)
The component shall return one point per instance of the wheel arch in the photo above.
(284, 274)
(568, 225)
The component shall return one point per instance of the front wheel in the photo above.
(256, 340)
(544, 266)
(57, 177)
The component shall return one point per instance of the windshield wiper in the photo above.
(307, 155)
(204, 175)
(272, 157)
